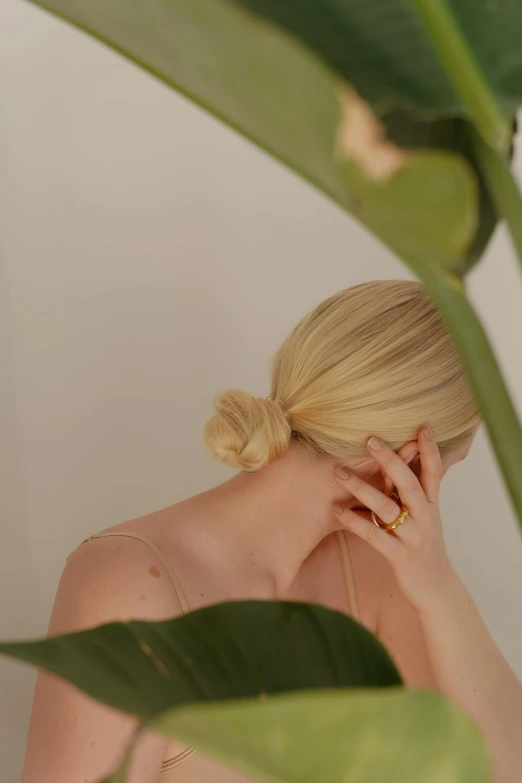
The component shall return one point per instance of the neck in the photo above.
(270, 522)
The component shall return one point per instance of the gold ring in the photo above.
(401, 519)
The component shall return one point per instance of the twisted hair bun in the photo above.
(247, 432)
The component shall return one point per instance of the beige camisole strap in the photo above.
(189, 753)
(346, 561)
(216, 770)
(349, 581)
(175, 581)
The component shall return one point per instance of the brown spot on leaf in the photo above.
(144, 647)
(361, 138)
(153, 571)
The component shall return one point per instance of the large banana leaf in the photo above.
(434, 212)
(340, 736)
(178, 677)
(226, 651)
(383, 50)
(274, 91)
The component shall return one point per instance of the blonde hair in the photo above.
(374, 359)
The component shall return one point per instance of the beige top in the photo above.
(190, 766)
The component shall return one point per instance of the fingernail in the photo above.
(343, 473)
(338, 509)
(375, 444)
(428, 434)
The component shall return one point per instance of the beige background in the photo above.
(149, 257)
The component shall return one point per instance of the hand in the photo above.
(415, 550)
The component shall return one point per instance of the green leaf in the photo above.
(272, 89)
(388, 735)
(248, 74)
(256, 652)
(381, 47)
(393, 212)
(450, 135)
(233, 650)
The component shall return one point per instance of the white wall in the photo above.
(149, 257)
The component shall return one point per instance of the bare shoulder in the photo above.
(106, 579)
(111, 578)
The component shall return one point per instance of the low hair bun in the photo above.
(247, 432)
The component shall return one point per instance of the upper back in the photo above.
(144, 569)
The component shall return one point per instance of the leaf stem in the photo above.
(482, 370)
(464, 72)
(503, 187)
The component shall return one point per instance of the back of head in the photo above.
(374, 359)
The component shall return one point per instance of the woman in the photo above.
(367, 396)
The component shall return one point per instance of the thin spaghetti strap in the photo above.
(349, 581)
(175, 581)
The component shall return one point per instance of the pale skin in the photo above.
(269, 535)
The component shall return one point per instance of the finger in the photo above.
(431, 466)
(386, 543)
(407, 483)
(388, 485)
(385, 508)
